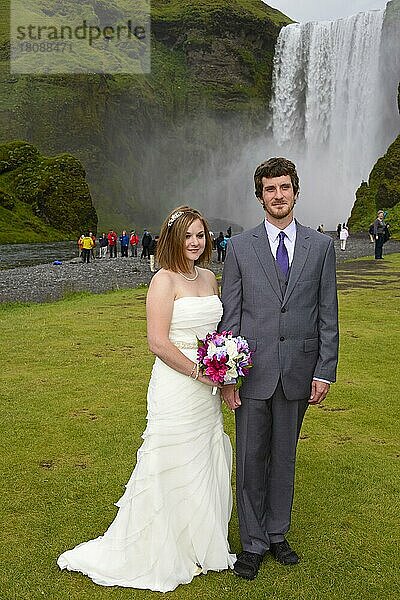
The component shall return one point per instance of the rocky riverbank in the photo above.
(48, 282)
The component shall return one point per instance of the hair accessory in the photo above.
(174, 217)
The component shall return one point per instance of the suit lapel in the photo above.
(301, 250)
(263, 251)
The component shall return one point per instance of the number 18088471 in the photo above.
(45, 47)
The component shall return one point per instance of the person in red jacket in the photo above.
(112, 243)
(134, 242)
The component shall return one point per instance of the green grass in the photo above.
(73, 387)
(21, 226)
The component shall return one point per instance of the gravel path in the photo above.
(43, 283)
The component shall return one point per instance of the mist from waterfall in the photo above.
(328, 110)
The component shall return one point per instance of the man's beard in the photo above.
(279, 213)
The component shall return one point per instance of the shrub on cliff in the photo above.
(16, 154)
(7, 200)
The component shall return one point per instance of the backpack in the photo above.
(386, 234)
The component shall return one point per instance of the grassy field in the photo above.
(73, 386)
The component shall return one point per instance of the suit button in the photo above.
(283, 309)
(282, 339)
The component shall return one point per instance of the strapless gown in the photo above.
(172, 522)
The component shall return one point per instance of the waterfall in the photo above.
(328, 110)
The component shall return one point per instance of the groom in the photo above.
(278, 291)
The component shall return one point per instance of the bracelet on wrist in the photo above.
(197, 371)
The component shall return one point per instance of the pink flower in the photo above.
(215, 368)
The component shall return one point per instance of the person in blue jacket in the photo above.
(124, 241)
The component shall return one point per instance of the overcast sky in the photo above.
(323, 10)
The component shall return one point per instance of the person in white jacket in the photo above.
(344, 234)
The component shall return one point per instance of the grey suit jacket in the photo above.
(294, 335)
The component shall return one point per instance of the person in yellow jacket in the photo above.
(87, 245)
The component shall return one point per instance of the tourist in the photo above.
(80, 245)
(87, 245)
(146, 239)
(172, 522)
(344, 234)
(103, 246)
(221, 247)
(92, 250)
(379, 234)
(134, 242)
(152, 253)
(112, 243)
(124, 243)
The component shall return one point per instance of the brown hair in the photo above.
(275, 167)
(171, 245)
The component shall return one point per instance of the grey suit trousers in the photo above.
(266, 432)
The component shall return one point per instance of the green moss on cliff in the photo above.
(44, 197)
(211, 12)
(228, 47)
(381, 192)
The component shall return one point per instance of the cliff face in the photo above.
(41, 197)
(382, 191)
(141, 138)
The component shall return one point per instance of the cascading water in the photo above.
(328, 110)
(334, 113)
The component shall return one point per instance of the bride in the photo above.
(172, 522)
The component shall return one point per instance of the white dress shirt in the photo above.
(289, 241)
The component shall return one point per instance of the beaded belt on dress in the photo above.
(185, 345)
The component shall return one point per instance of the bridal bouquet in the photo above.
(224, 358)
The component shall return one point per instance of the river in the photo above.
(22, 255)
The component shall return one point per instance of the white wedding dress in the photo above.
(172, 522)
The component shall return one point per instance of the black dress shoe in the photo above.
(283, 553)
(247, 565)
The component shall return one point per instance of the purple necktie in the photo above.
(282, 257)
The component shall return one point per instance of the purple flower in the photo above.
(242, 344)
(201, 353)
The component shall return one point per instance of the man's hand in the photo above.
(319, 390)
(231, 396)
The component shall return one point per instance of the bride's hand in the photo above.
(208, 381)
